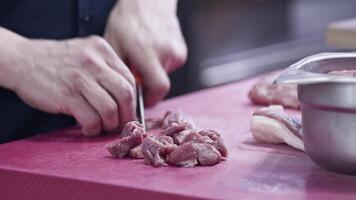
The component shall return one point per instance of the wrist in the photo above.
(138, 6)
(12, 49)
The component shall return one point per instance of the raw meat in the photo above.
(177, 142)
(153, 123)
(177, 117)
(136, 152)
(185, 156)
(265, 92)
(205, 136)
(190, 154)
(173, 129)
(130, 128)
(272, 125)
(132, 136)
(157, 148)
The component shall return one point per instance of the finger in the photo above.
(85, 115)
(174, 54)
(101, 101)
(155, 79)
(124, 94)
(114, 62)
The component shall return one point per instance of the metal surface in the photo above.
(328, 108)
(141, 107)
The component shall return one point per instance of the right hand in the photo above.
(83, 78)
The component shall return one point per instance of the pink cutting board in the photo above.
(66, 165)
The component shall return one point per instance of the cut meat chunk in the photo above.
(184, 155)
(190, 154)
(272, 125)
(177, 117)
(136, 153)
(173, 129)
(210, 133)
(153, 123)
(265, 92)
(157, 148)
(133, 136)
(130, 128)
(207, 154)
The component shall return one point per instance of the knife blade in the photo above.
(139, 98)
(140, 106)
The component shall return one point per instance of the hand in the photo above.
(83, 78)
(146, 34)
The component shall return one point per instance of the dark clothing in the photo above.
(51, 19)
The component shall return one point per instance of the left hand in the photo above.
(146, 34)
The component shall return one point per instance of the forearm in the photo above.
(11, 48)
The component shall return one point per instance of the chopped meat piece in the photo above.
(177, 117)
(136, 153)
(205, 136)
(157, 148)
(130, 128)
(184, 155)
(153, 123)
(218, 142)
(265, 92)
(207, 154)
(173, 129)
(272, 125)
(204, 147)
(210, 133)
(133, 136)
(186, 136)
(194, 136)
(351, 73)
(190, 154)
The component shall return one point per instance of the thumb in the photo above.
(155, 80)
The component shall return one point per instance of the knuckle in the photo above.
(99, 43)
(77, 79)
(163, 87)
(127, 94)
(86, 57)
(92, 126)
(110, 111)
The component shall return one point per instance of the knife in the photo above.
(139, 98)
(140, 106)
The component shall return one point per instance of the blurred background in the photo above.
(230, 40)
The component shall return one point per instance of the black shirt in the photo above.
(51, 19)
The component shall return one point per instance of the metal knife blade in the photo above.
(140, 106)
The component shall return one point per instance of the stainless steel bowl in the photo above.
(328, 109)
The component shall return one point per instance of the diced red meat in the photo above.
(207, 154)
(184, 155)
(136, 153)
(157, 148)
(177, 117)
(176, 128)
(265, 92)
(190, 154)
(210, 133)
(133, 136)
(130, 128)
(173, 129)
(153, 123)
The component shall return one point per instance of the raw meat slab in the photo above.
(66, 165)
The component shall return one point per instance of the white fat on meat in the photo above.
(272, 125)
